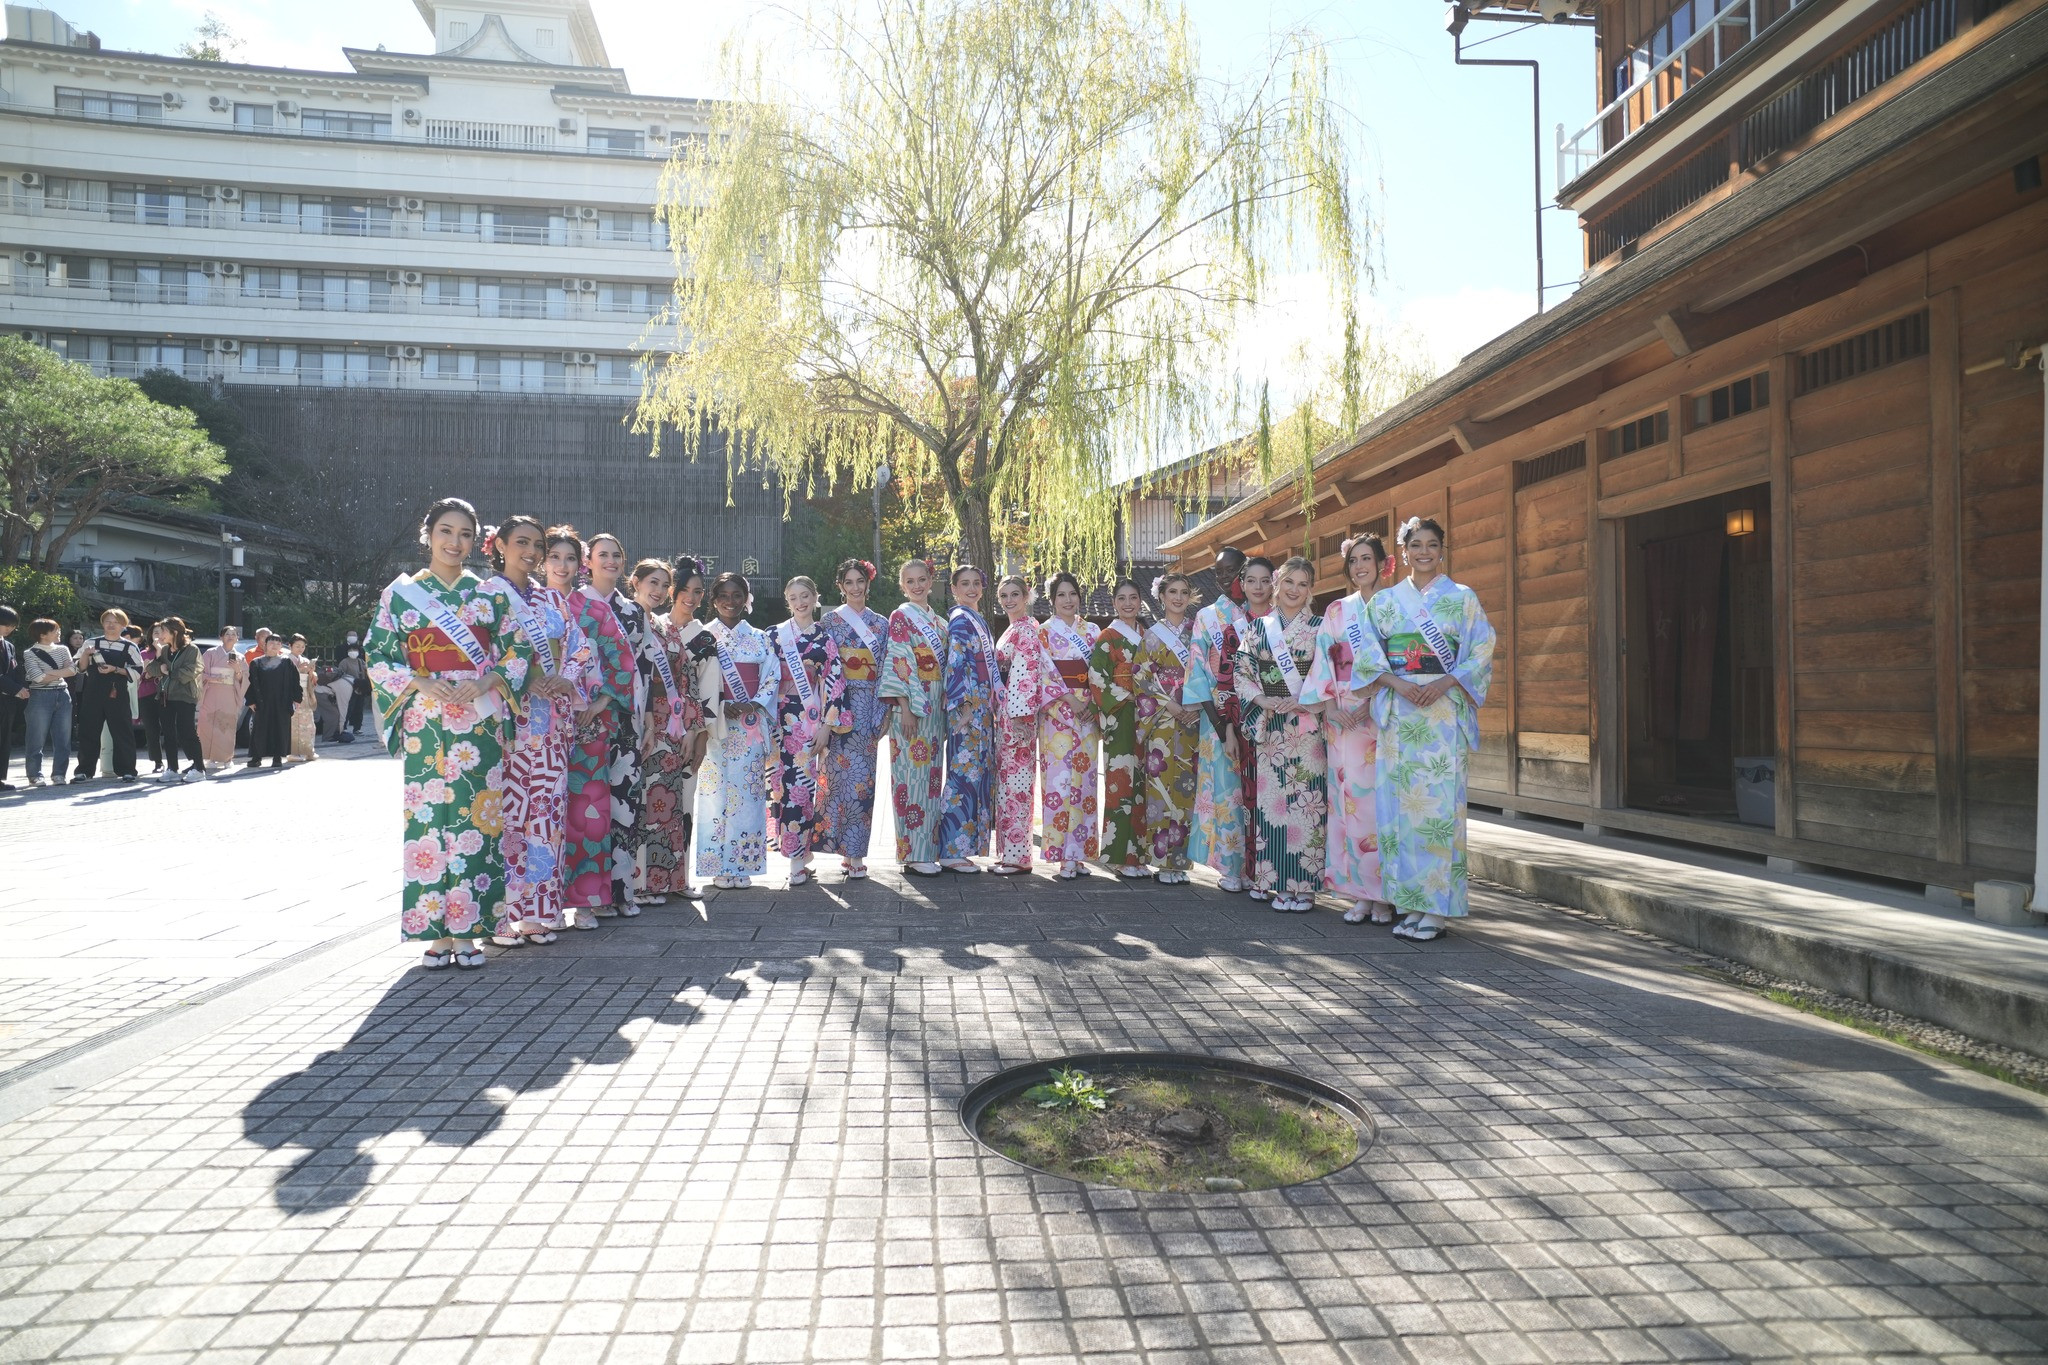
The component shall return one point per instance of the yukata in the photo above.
(454, 752)
(1352, 849)
(305, 713)
(587, 833)
(807, 709)
(1292, 804)
(1223, 798)
(1030, 684)
(537, 767)
(914, 672)
(1168, 744)
(732, 786)
(622, 760)
(1113, 685)
(223, 684)
(974, 698)
(1066, 748)
(665, 805)
(1420, 792)
(849, 812)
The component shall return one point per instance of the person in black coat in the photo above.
(274, 689)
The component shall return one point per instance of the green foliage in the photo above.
(1072, 1090)
(318, 615)
(1000, 246)
(222, 422)
(212, 41)
(72, 444)
(823, 533)
(34, 592)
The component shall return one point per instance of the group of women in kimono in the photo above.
(573, 735)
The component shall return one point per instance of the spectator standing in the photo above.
(13, 690)
(223, 681)
(303, 711)
(350, 664)
(176, 672)
(148, 704)
(47, 669)
(274, 690)
(112, 663)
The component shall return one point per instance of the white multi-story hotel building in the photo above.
(455, 251)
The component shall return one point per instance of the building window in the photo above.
(342, 368)
(269, 282)
(617, 297)
(344, 217)
(619, 369)
(110, 104)
(449, 366)
(255, 116)
(265, 206)
(1731, 400)
(342, 292)
(458, 31)
(160, 205)
(543, 37)
(617, 140)
(449, 291)
(68, 195)
(533, 226)
(269, 359)
(514, 299)
(454, 219)
(1641, 434)
(343, 123)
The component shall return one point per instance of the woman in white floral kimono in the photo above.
(1429, 663)
(736, 683)
(1292, 809)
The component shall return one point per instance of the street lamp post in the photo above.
(220, 609)
(881, 481)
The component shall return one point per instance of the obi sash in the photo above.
(443, 618)
(1073, 672)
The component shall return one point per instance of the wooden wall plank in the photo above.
(1944, 369)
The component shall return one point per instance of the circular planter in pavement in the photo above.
(1176, 1122)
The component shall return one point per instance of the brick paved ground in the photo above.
(730, 1135)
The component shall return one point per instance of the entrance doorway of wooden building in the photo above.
(1697, 646)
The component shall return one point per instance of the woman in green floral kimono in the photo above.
(1429, 659)
(1112, 680)
(449, 665)
(1291, 810)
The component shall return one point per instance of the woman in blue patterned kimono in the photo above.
(861, 637)
(1429, 657)
(736, 685)
(974, 684)
(914, 684)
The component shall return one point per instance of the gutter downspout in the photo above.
(2039, 900)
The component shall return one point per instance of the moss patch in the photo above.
(1256, 1134)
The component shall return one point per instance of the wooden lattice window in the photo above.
(1731, 400)
(1898, 340)
(1550, 465)
(1644, 432)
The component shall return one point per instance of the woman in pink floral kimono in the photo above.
(1352, 849)
(1030, 684)
(587, 831)
(1067, 734)
(808, 709)
(914, 686)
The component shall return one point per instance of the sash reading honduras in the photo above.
(1276, 638)
(532, 624)
(1410, 601)
(793, 666)
(659, 653)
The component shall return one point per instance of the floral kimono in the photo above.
(1222, 796)
(1353, 846)
(665, 805)
(861, 639)
(974, 698)
(1120, 713)
(914, 672)
(808, 707)
(1292, 805)
(1167, 743)
(587, 837)
(224, 682)
(623, 771)
(1420, 792)
(1066, 747)
(1030, 684)
(732, 789)
(454, 753)
(537, 768)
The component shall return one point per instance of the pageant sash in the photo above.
(1410, 601)
(1276, 638)
(857, 625)
(443, 618)
(1128, 631)
(733, 682)
(1072, 672)
(982, 640)
(1073, 639)
(1354, 635)
(668, 683)
(1168, 636)
(935, 638)
(532, 624)
(793, 664)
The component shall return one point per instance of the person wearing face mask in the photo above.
(349, 667)
(1427, 664)
(1290, 808)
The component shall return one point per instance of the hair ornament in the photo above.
(868, 569)
(1408, 529)
(1158, 581)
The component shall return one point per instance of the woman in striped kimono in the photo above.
(1067, 733)
(629, 722)
(808, 707)
(449, 668)
(974, 699)
(587, 830)
(1351, 738)
(1168, 733)
(914, 685)
(1121, 712)
(861, 638)
(1430, 660)
(537, 765)
(1222, 812)
(736, 684)
(1292, 808)
(1030, 684)
(672, 739)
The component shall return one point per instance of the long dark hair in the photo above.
(494, 539)
(1052, 587)
(180, 633)
(441, 507)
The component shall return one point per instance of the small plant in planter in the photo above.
(1072, 1091)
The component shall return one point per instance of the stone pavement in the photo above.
(727, 1133)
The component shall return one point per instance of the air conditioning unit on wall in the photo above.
(402, 352)
(220, 104)
(229, 194)
(31, 179)
(289, 108)
(31, 258)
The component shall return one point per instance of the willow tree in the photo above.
(1001, 244)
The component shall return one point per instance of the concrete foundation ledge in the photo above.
(1745, 920)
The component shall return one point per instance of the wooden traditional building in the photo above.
(1763, 499)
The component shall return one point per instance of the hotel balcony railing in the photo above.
(395, 377)
(579, 307)
(1734, 25)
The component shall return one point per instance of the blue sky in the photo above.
(1444, 151)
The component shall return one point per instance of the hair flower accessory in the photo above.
(1157, 582)
(1407, 529)
(867, 568)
